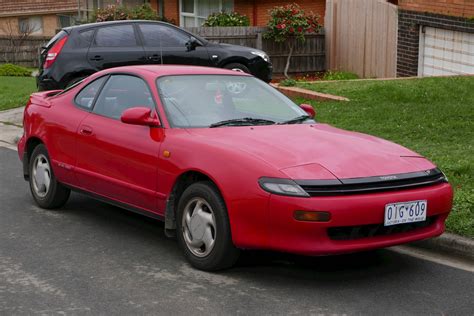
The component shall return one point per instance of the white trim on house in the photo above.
(198, 19)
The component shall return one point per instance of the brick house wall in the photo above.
(47, 10)
(445, 14)
(257, 11)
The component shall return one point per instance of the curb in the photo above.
(449, 243)
(307, 94)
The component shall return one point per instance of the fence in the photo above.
(307, 57)
(361, 37)
(25, 54)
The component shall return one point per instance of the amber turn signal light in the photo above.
(312, 216)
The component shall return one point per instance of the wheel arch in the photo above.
(234, 60)
(183, 181)
(30, 146)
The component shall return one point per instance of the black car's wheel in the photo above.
(46, 190)
(237, 67)
(203, 228)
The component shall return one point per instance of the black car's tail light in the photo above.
(54, 52)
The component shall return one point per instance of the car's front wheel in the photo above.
(46, 190)
(203, 228)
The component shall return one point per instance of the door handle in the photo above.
(154, 57)
(97, 58)
(85, 130)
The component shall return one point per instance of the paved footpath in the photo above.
(11, 129)
(90, 258)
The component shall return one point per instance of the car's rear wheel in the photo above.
(46, 190)
(203, 228)
(237, 67)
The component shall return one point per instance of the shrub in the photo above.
(289, 24)
(14, 70)
(227, 19)
(117, 13)
(339, 75)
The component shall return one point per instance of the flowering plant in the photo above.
(289, 23)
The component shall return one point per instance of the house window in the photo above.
(195, 12)
(31, 25)
(65, 20)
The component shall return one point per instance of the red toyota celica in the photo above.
(228, 163)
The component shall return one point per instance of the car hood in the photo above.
(311, 151)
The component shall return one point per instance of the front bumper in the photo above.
(312, 238)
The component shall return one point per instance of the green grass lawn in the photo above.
(14, 91)
(432, 116)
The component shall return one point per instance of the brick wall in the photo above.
(409, 23)
(461, 8)
(258, 9)
(263, 6)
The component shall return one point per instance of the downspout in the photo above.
(161, 8)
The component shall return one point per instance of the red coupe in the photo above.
(228, 163)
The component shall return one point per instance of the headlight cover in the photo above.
(261, 54)
(282, 187)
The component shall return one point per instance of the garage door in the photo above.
(444, 52)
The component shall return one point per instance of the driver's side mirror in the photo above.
(308, 109)
(140, 115)
(192, 44)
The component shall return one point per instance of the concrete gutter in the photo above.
(449, 243)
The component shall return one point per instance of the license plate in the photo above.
(405, 212)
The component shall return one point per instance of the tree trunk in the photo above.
(285, 72)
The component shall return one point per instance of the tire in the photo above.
(46, 196)
(237, 67)
(222, 253)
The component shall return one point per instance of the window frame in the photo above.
(138, 40)
(194, 15)
(95, 97)
(27, 19)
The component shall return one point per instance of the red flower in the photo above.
(300, 29)
(292, 30)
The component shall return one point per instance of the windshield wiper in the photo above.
(242, 121)
(298, 119)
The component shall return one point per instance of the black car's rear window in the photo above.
(56, 37)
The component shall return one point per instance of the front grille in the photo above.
(372, 184)
(365, 231)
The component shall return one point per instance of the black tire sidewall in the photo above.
(224, 252)
(237, 66)
(51, 198)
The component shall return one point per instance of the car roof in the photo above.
(99, 24)
(167, 70)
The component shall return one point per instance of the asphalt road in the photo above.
(92, 258)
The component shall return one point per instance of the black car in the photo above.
(78, 51)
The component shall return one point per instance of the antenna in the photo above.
(161, 47)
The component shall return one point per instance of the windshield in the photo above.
(223, 100)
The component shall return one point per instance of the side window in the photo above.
(120, 93)
(115, 36)
(153, 34)
(83, 39)
(86, 96)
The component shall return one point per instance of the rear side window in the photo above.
(115, 36)
(56, 37)
(154, 34)
(122, 92)
(85, 98)
(83, 39)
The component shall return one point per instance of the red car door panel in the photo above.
(118, 161)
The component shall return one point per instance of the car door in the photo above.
(167, 44)
(116, 45)
(114, 159)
